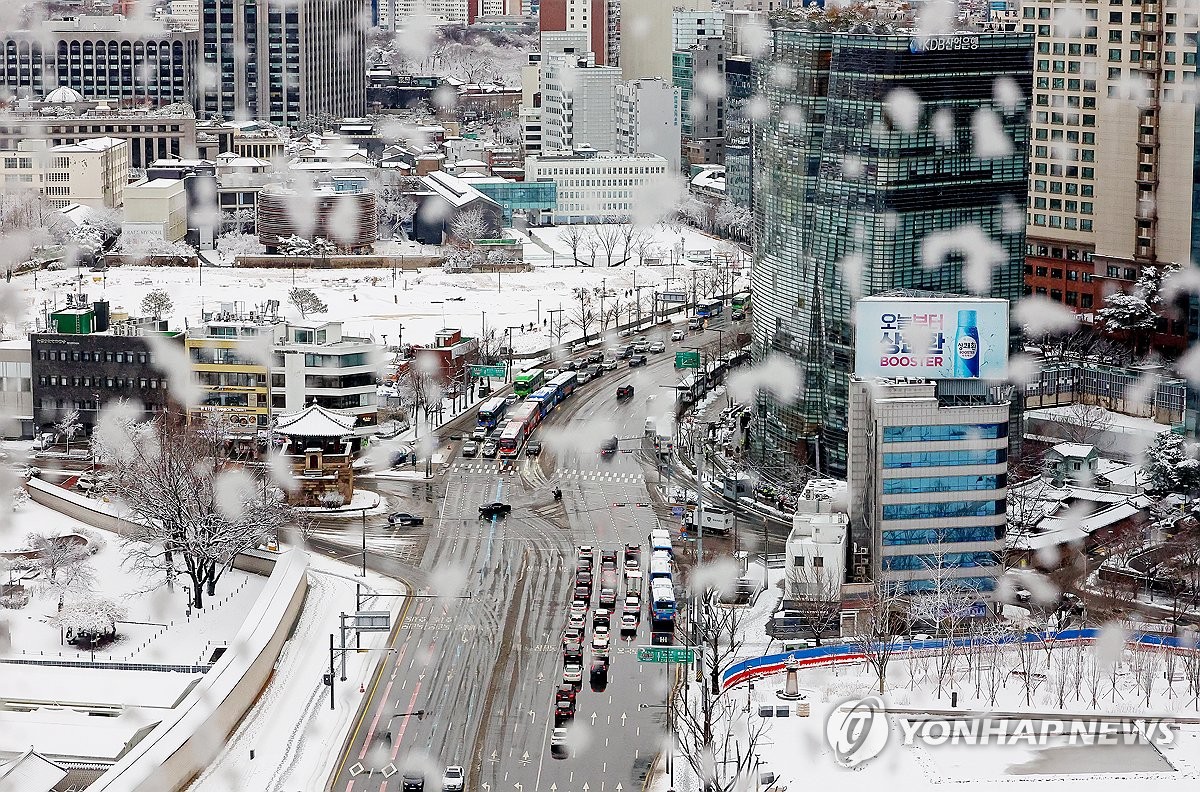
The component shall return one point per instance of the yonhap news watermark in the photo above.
(859, 729)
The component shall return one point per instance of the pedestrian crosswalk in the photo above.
(600, 476)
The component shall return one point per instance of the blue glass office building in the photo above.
(844, 197)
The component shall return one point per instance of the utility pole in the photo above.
(638, 299)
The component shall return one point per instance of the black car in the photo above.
(637, 360)
(739, 316)
(609, 447)
(404, 518)
(533, 448)
(624, 392)
(413, 782)
(497, 509)
(599, 675)
(596, 357)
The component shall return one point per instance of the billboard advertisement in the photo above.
(947, 338)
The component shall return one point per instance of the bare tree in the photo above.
(1083, 423)
(609, 235)
(705, 723)
(583, 315)
(68, 426)
(192, 516)
(817, 594)
(591, 243)
(876, 640)
(574, 236)
(468, 226)
(62, 564)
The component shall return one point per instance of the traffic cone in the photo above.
(361, 689)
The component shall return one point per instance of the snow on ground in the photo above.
(422, 301)
(294, 734)
(156, 628)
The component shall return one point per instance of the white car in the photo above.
(678, 335)
(600, 642)
(550, 374)
(453, 779)
(573, 674)
(609, 364)
(658, 346)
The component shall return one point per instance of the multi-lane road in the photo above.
(478, 652)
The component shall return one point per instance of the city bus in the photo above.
(741, 301)
(512, 438)
(546, 398)
(709, 308)
(527, 382)
(491, 413)
(527, 414)
(564, 384)
(662, 605)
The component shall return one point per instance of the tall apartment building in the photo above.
(1114, 112)
(739, 88)
(929, 484)
(284, 61)
(648, 119)
(589, 16)
(597, 188)
(104, 58)
(151, 135)
(392, 13)
(92, 172)
(577, 103)
(699, 73)
(845, 199)
(646, 28)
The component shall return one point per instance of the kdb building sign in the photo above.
(919, 44)
(951, 338)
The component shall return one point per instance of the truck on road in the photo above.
(715, 521)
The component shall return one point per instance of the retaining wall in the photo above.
(842, 654)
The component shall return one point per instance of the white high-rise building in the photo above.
(689, 28)
(392, 13)
(92, 172)
(648, 119)
(577, 103)
(646, 36)
(928, 484)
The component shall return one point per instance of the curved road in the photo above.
(479, 650)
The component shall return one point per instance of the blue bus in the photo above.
(564, 384)
(546, 398)
(491, 413)
(709, 308)
(662, 605)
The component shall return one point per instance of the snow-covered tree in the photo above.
(234, 243)
(1136, 314)
(191, 516)
(61, 563)
(1170, 465)
(574, 236)
(90, 615)
(157, 302)
(306, 301)
(736, 221)
(19, 498)
(68, 426)
(468, 226)
(295, 245)
(141, 246)
(238, 220)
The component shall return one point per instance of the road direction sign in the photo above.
(487, 371)
(665, 654)
(687, 360)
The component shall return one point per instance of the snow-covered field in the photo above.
(408, 309)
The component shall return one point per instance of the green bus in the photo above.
(527, 382)
(741, 301)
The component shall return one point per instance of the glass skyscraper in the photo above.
(873, 142)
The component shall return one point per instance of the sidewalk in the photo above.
(291, 738)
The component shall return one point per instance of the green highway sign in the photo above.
(665, 654)
(487, 371)
(687, 360)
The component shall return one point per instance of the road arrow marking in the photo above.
(618, 786)
(553, 787)
(518, 786)
(486, 786)
(585, 786)
(421, 677)
(623, 717)
(531, 715)
(593, 719)
(495, 757)
(540, 677)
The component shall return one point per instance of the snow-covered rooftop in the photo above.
(31, 772)
(1074, 449)
(315, 421)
